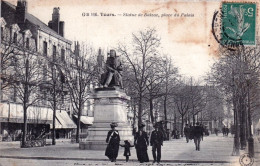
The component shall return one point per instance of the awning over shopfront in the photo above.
(86, 119)
(12, 112)
(63, 121)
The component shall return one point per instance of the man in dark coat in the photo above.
(227, 131)
(156, 143)
(224, 131)
(197, 135)
(113, 140)
(141, 142)
(187, 132)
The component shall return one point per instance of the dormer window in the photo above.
(27, 36)
(15, 30)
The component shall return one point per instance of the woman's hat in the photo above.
(113, 124)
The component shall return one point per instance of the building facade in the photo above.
(24, 35)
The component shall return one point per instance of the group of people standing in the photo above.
(141, 143)
(225, 131)
(195, 133)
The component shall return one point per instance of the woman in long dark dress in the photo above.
(113, 140)
(141, 143)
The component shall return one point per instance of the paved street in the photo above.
(214, 151)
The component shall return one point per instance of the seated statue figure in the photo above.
(113, 76)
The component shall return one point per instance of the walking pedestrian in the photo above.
(216, 131)
(156, 143)
(141, 143)
(191, 132)
(175, 132)
(202, 128)
(224, 131)
(113, 140)
(197, 134)
(227, 131)
(187, 132)
(127, 152)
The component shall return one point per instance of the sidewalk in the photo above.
(214, 149)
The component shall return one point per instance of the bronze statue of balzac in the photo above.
(113, 76)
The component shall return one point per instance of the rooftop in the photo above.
(41, 26)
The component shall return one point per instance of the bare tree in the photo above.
(27, 79)
(198, 99)
(229, 72)
(144, 46)
(53, 85)
(181, 98)
(154, 84)
(80, 73)
(170, 77)
(9, 48)
(214, 109)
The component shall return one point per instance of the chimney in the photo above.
(21, 10)
(77, 49)
(61, 30)
(50, 24)
(100, 58)
(56, 19)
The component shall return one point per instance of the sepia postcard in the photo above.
(138, 82)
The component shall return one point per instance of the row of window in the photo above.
(7, 35)
(54, 51)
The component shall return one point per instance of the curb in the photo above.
(96, 159)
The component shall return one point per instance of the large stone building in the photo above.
(24, 34)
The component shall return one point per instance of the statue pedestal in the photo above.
(109, 106)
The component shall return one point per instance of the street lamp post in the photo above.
(250, 139)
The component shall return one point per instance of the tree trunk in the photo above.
(182, 124)
(242, 124)
(53, 120)
(25, 101)
(134, 119)
(151, 110)
(193, 118)
(54, 98)
(175, 119)
(165, 112)
(236, 151)
(78, 123)
(140, 110)
(24, 125)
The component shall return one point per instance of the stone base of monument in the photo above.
(110, 105)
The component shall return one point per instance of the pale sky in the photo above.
(188, 40)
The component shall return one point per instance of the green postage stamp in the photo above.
(238, 23)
